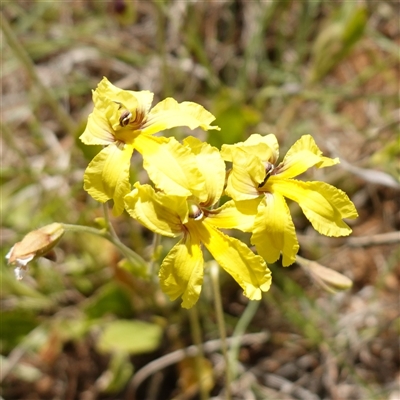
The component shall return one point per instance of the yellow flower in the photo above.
(123, 121)
(257, 178)
(181, 272)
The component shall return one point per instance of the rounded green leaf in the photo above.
(133, 337)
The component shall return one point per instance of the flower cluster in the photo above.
(189, 179)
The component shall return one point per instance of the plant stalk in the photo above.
(133, 257)
(239, 331)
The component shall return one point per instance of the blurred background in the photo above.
(80, 327)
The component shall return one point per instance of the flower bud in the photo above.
(330, 280)
(35, 244)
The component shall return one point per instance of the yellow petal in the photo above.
(181, 272)
(274, 232)
(107, 175)
(110, 105)
(211, 166)
(248, 269)
(114, 107)
(170, 165)
(132, 107)
(156, 211)
(247, 173)
(98, 130)
(324, 205)
(302, 155)
(108, 97)
(231, 215)
(266, 148)
(170, 114)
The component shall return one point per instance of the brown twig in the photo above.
(191, 351)
(374, 240)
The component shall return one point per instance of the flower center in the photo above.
(134, 119)
(195, 212)
(125, 118)
(269, 168)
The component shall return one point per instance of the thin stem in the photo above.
(19, 51)
(133, 257)
(214, 273)
(239, 331)
(109, 226)
(199, 357)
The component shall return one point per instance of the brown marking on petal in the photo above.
(269, 169)
(140, 117)
(125, 118)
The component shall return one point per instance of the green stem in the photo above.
(22, 55)
(199, 357)
(133, 257)
(109, 226)
(214, 273)
(239, 331)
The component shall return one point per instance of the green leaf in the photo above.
(133, 337)
(109, 299)
(15, 325)
(354, 26)
(337, 39)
